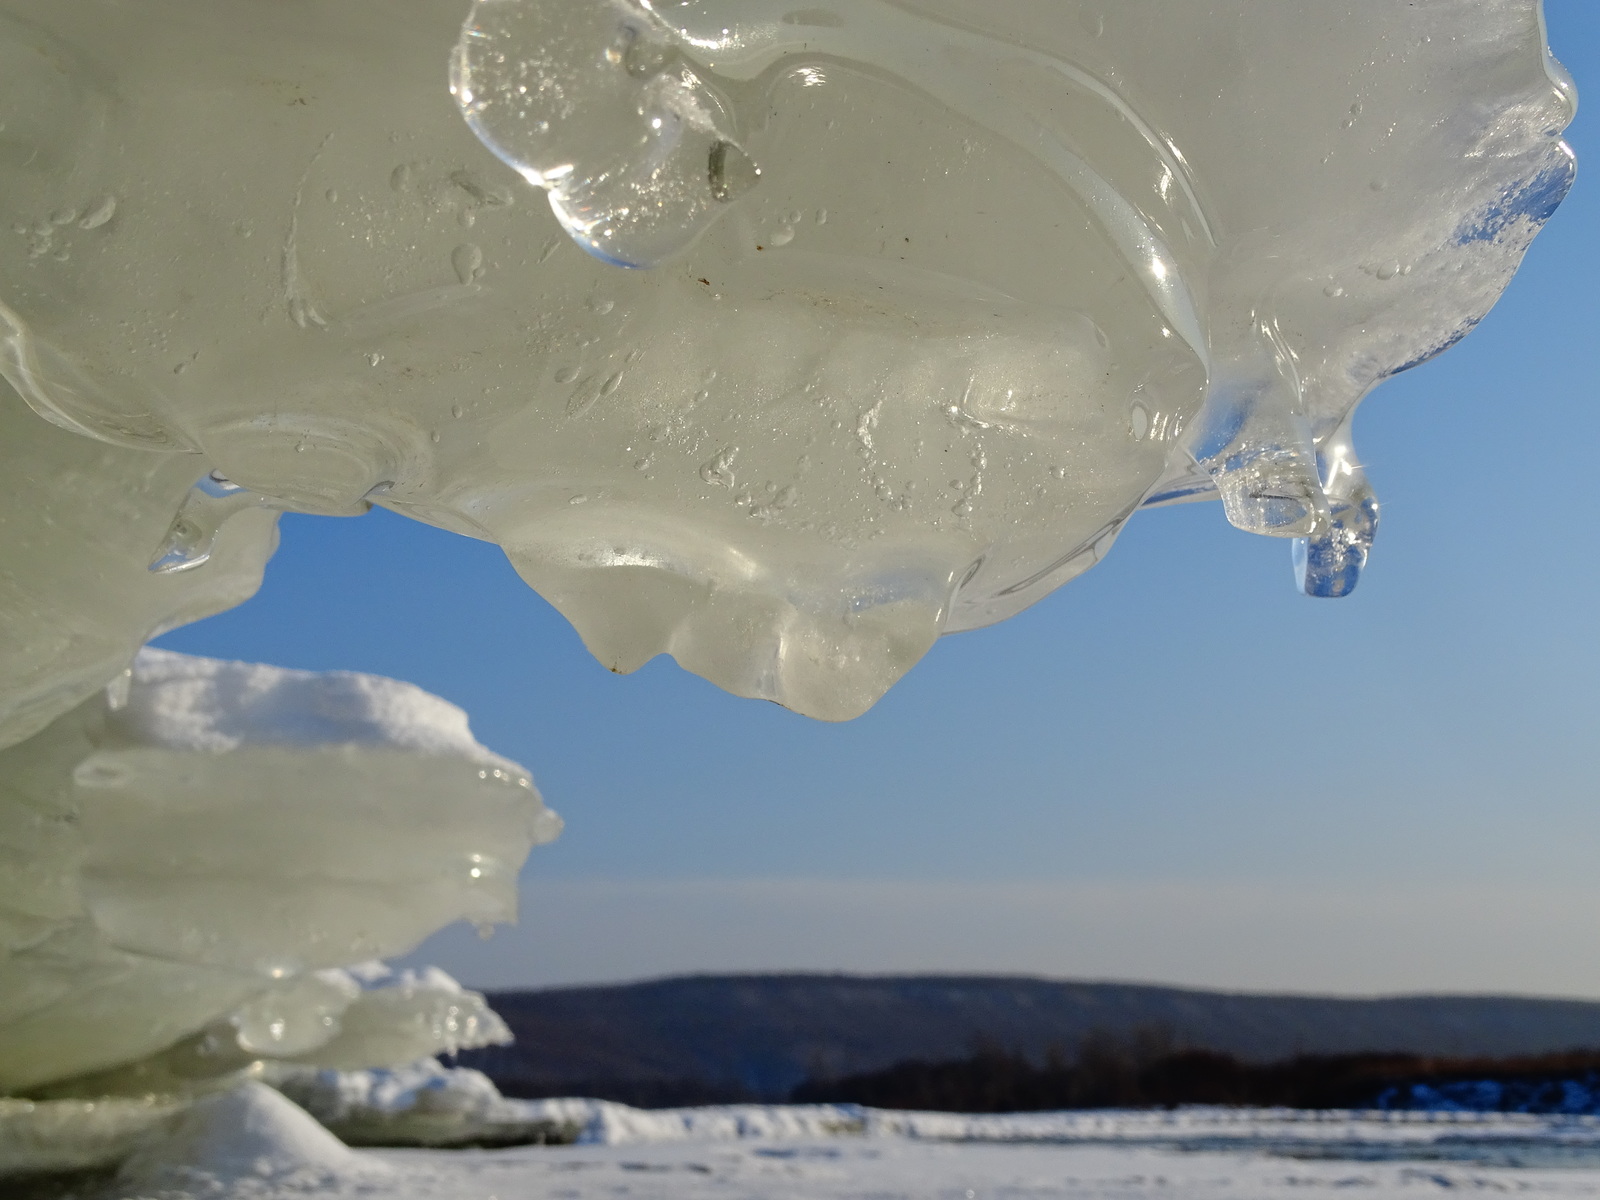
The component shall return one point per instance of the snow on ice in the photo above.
(885, 379)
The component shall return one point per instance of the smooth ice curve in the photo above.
(938, 295)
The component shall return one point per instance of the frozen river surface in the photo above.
(255, 1144)
(896, 1167)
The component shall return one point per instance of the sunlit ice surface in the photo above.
(844, 326)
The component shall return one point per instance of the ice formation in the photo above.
(931, 296)
(247, 1141)
(940, 294)
(192, 859)
(424, 1104)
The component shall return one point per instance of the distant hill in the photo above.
(711, 1038)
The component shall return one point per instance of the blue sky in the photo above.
(1175, 769)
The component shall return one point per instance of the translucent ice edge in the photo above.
(198, 864)
(939, 293)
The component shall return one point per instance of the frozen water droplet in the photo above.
(731, 171)
(601, 306)
(455, 411)
(1138, 421)
(719, 469)
(566, 374)
(331, 195)
(64, 216)
(99, 214)
(1328, 564)
(613, 381)
(400, 177)
(374, 359)
(467, 259)
(193, 533)
(822, 216)
(1388, 271)
(782, 236)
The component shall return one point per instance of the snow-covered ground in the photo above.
(912, 1167)
(253, 1143)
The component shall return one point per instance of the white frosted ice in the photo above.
(188, 860)
(423, 1104)
(942, 291)
(249, 1140)
(848, 1168)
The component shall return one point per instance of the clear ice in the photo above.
(940, 293)
(927, 299)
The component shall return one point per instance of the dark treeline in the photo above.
(1148, 1070)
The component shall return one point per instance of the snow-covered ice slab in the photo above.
(778, 1153)
(940, 292)
(189, 860)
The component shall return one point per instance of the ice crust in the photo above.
(247, 1141)
(255, 1140)
(196, 863)
(941, 293)
(762, 1158)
